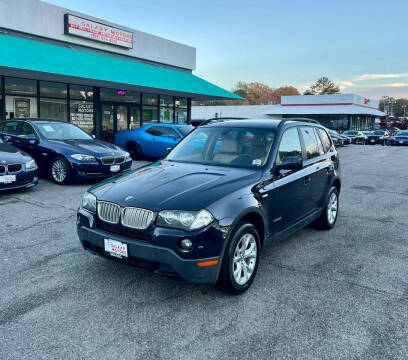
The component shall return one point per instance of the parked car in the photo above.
(356, 137)
(18, 170)
(338, 139)
(205, 214)
(400, 138)
(64, 151)
(151, 140)
(378, 137)
(391, 129)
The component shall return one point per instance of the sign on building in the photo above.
(88, 29)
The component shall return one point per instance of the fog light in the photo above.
(186, 245)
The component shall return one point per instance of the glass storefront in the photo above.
(120, 109)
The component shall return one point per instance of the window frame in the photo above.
(21, 129)
(305, 158)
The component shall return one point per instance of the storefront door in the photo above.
(114, 118)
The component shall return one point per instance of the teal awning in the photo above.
(45, 61)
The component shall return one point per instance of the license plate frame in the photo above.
(115, 168)
(7, 179)
(116, 248)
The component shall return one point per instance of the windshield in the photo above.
(402, 132)
(378, 132)
(350, 132)
(224, 146)
(185, 129)
(62, 131)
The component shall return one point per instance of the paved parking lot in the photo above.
(341, 294)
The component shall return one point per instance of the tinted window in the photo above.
(319, 143)
(10, 128)
(27, 129)
(289, 145)
(311, 145)
(325, 140)
(162, 131)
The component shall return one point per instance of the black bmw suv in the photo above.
(216, 200)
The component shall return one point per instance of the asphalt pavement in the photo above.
(339, 294)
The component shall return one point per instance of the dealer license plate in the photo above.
(372, 140)
(401, 141)
(7, 179)
(115, 168)
(116, 248)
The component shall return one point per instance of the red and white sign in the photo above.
(75, 25)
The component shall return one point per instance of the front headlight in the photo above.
(89, 202)
(127, 155)
(186, 220)
(31, 164)
(82, 157)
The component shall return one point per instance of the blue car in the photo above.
(64, 151)
(400, 138)
(151, 140)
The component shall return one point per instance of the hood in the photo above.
(401, 137)
(171, 185)
(11, 155)
(89, 147)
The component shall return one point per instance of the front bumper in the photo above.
(24, 180)
(96, 170)
(374, 141)
(146, 254)
(399, 142)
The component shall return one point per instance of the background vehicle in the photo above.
(338, 139)
(17, 169)
(151, 140)
(391, 129)
(378, 137)
(400, 138)
(356, 137)
(221, 195)
(64, 151)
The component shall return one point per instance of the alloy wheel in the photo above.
(59, 171)
(332, 208)
(245, 258)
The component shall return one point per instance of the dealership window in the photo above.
(20, 86)
(81, 109)
(166, 109)
(21, 107)
(134, 117)
(1, 98)
(53, 89)
(53, 109)
(150, 99)
(150, 114)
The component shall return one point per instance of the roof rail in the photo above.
(283, 121)
(215, 120)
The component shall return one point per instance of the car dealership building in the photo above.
(61, 64)
(337, 111)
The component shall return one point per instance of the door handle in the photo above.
(307, 179)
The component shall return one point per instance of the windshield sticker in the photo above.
(48, 128)
(257, 162)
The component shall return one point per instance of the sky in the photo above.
(361, 45)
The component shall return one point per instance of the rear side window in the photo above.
(289, 145)
(310, 140)
(325, 140)
(162, 131)
(10, 128)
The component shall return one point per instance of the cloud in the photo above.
(346, 83)
(379, 76)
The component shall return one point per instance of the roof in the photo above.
(22, 57)
(260, 123)
(36, 120)
(324, 109)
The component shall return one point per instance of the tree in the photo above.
(287, 90)
(323, 86)
(397, 106)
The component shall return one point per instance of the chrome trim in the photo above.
(13, 172)
(113, 160)
(136, 218)
(108, 211)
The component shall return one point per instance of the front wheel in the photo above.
(241, 259)
(60, 171)
(330, 210)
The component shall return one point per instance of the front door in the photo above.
(114, 119)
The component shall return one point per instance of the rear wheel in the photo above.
(330, 210)
(241, 259)
(134, 149)
(60, 170)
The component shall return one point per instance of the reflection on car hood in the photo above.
(89, 147)
(11, 155)
(171, 185)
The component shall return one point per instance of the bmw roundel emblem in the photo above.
(129, 198)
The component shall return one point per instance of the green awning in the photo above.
(19, 56)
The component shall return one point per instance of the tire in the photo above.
(60, 170)
(327, 220)
(244, 237)
(134, 149)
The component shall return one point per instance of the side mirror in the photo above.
(289, 163)
(93, 136)
(6, 138)
(31, 138)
